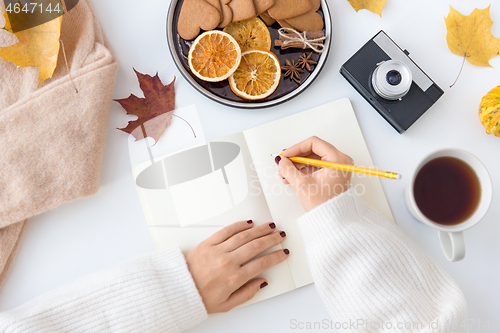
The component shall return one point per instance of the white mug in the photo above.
(451, 237)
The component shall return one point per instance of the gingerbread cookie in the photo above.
(227, 13)
(310, 21)
(268, 20)
(262, 5)
(283, 24)
(217, 5)
(242, 9)
(284, 9)
(315, 4)
(196, 15)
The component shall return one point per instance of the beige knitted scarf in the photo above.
(51, 138)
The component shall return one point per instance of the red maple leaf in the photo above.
(155, 110)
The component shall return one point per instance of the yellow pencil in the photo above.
(345, 167)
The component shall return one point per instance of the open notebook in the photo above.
(188, 195)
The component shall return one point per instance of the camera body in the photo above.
(391, 82)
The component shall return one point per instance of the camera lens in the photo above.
(392, 79)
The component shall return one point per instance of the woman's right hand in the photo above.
(314, 185)
(222, 268)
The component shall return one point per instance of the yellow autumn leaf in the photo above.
(470, 36)
(372, 5)
(38, 46)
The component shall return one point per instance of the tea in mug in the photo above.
(447, 190)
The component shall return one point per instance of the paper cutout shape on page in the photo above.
(203, 182)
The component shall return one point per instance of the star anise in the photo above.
(306, 61)
(292, 69)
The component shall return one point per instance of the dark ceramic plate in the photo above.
(220, 91)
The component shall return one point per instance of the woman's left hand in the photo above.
(222, 268)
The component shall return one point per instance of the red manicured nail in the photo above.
(263, 284)
(272, 225)
(283, 234)
(277, 159)
(287, 252)
(284, 149)
(249, 221)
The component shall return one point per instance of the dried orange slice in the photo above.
(214, 56)
(257, 76)
(250, 34)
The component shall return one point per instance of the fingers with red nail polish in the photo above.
(224, 267)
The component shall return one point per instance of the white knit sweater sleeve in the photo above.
(374, 278)
(152, 293)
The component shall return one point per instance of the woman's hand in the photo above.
(221, 268)
(314, 185)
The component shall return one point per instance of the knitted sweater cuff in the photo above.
(334, 213)
(151, 293)
(367, 270)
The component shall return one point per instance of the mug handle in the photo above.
(453, 245)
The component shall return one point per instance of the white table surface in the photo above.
(93, 233)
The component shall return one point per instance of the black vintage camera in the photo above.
(391, 82)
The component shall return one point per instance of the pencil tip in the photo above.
(399, 177)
